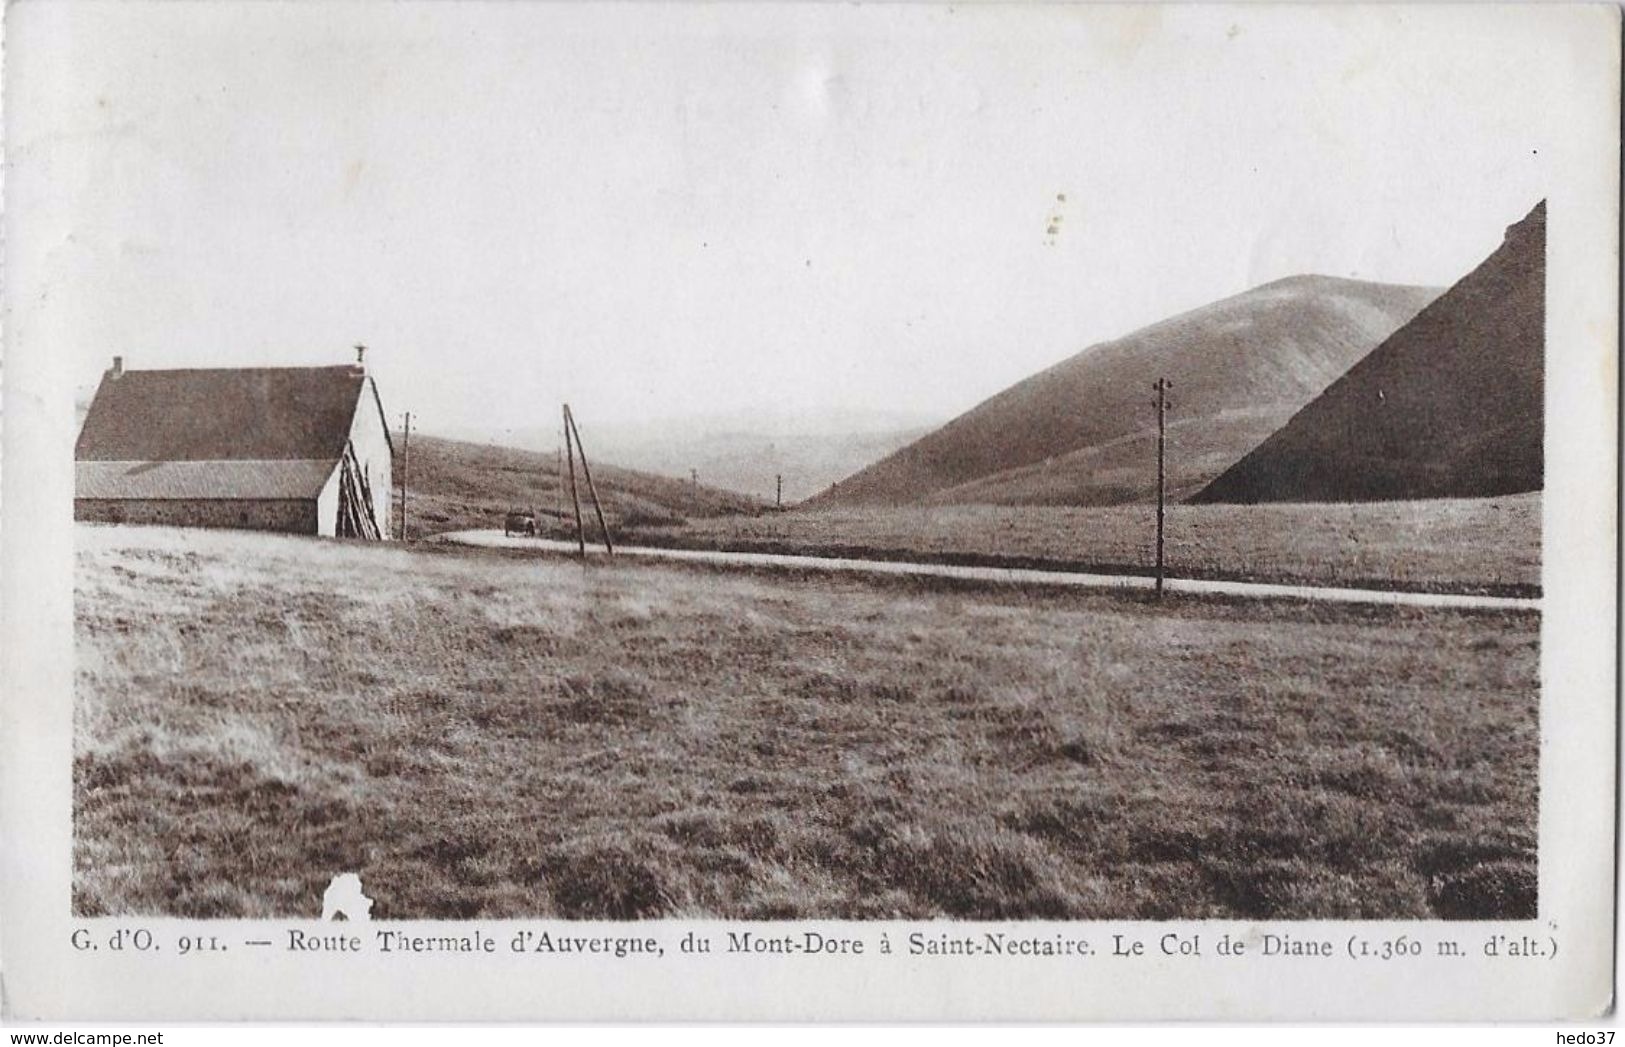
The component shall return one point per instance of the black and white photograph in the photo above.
(764, 463)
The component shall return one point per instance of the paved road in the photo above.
(497, 540)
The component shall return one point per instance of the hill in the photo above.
(456, 485)
(1450, 406)
(750, 460)
(744, 451)
(1084, 432)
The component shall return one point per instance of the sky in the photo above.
(700, 210)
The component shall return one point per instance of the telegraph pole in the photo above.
(575, 498)
(1162, 385)
(586, 470)
(778, 495)
(406, 470)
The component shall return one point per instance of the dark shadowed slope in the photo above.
(1083, 432)
(457, 485)
(1450, 406)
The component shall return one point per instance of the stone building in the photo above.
(305, 450)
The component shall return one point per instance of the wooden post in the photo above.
(1162, 386)
(570, 420)
(575, 500)
(778, 494)
(406, 471)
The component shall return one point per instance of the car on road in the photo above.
(519, 522)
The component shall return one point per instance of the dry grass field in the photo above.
(1489, 545)
(488, 735)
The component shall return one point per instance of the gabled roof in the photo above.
(224, 414)
(295, 479)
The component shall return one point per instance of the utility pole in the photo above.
(778, 495)
(1162, 386)
(597, 506)
(575, 499)
(694, 480)
(406, 470)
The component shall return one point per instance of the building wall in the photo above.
(371, 442)
(327, 506)
(289, 516)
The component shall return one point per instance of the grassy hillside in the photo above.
(1452, 405)
(458, 485)
(1083, 432)
(488, 736)
(1476, 545)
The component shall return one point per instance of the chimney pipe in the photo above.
(118, 366)
(360, 353)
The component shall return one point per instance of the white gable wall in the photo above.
(372, 451)
(327, 506)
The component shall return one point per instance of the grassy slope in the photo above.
(479, 735)
(458, 485)
(1489, 545)
(1451, 406)
(1240, 368)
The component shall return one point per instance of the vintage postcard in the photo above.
(809, 511)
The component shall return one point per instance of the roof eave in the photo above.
(378, 401)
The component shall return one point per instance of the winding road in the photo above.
(1017, 575)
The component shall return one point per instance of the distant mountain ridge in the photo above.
(751, 462)
(1083, 431)
(746, 452)
(1451, 405)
